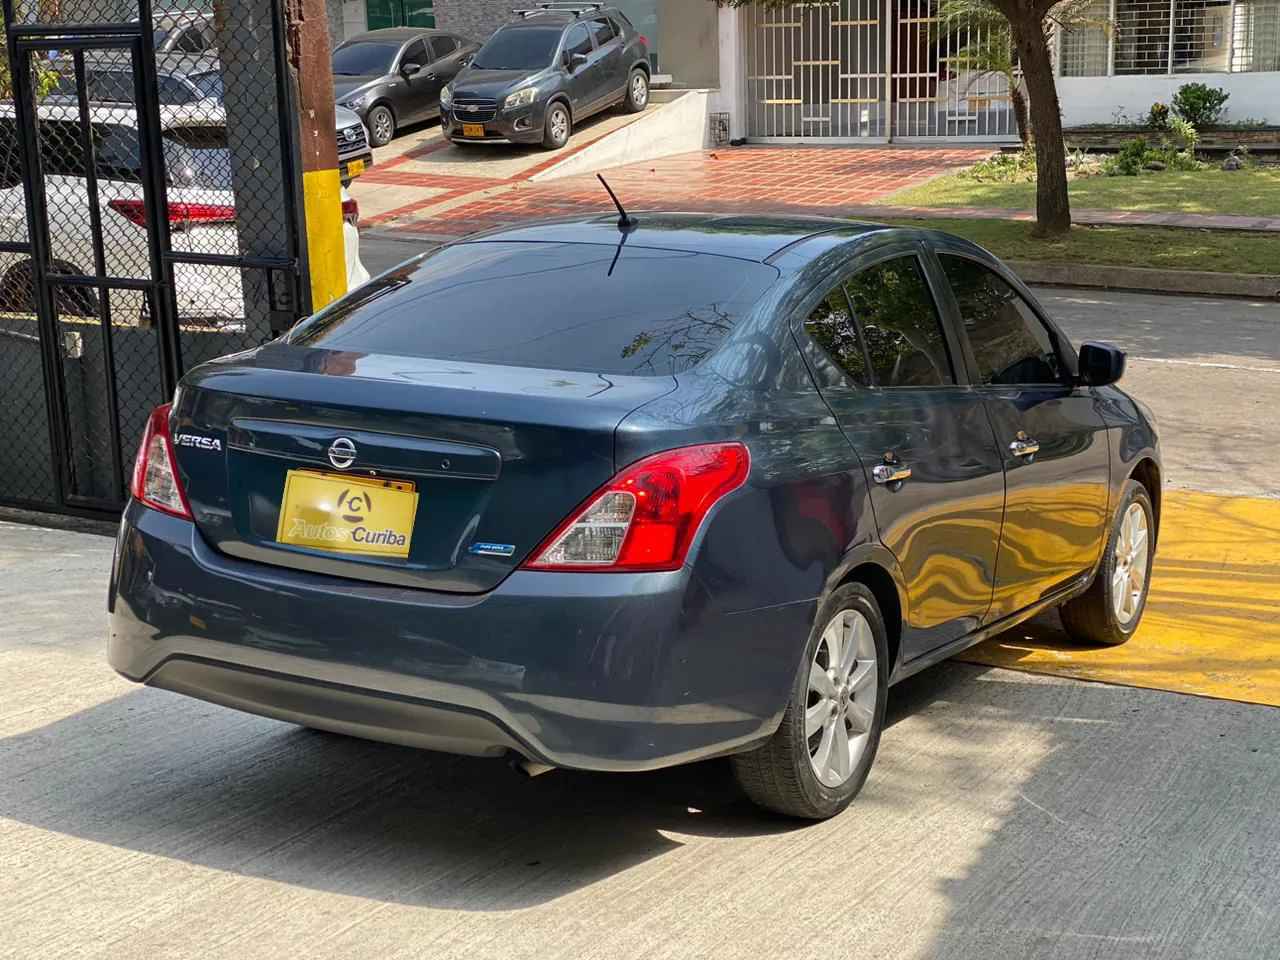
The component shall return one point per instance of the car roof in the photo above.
(393, 35)
(180, 18)
(744, 236)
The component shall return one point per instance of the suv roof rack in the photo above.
(560, 6)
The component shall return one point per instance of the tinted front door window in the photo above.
(1009, 342)
(578, 40)
(900, 324)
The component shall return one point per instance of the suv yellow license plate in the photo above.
(360, 516)
(355, 168)
(473, 129)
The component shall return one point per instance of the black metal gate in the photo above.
(149, 220)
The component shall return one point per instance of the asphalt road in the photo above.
(1008, 815)
(1210, 368)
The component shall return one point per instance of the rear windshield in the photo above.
(519, 48)
(549, 305)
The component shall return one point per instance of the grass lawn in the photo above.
(1209, 191)
(1173, 248)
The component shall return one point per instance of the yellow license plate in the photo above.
(355, 168)
(361, 516)
(473, 129)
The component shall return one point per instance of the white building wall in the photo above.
(1089, 100)
(353, 18)
(730, 97)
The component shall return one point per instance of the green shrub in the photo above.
(1004, 168)
(1158, 116)
(1200, 105)
(1129, 161)
(1185, 135)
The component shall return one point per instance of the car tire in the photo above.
(557, 127)
(382, 125)
(17, 293)
(1108, 613)
(836, 702)
(637, 97)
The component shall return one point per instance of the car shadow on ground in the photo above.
(161, 774)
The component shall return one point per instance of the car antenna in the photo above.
(626, 222)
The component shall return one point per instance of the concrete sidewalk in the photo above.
(1008, 816)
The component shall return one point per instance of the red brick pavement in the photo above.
(756, 179)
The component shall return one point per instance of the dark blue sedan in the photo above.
(613, 497)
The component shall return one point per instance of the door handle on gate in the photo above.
(890, 472)
(1024, 447)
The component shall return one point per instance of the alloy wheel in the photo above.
(1129, 572)
(559, 125)
(639, 90)
(382, 126)
(841, 704)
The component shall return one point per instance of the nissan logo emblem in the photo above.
(342, 453)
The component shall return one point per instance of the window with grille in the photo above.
(1084, 45)
(1201, 35)
(1255, 36)
(1142, 37)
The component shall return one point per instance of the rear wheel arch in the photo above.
(884, 587)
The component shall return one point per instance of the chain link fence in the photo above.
(149, 221)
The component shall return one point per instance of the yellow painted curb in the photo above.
(326, 253)
(1212, 623)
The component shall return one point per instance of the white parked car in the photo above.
(202, 215)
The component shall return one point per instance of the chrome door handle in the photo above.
(890, 472)
(1023, 447)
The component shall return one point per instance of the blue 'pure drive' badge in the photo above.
(481, 549)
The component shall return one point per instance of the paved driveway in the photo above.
(458, 201)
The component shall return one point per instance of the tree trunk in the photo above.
(1053, 209)
(1019, 104)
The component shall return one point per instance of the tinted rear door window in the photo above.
(441, 47)
(900, 325)
(555, 306)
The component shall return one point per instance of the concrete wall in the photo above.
(474, 19)
(333, 9)
(665, 129)
(1099, 99)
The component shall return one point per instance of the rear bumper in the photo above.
(521, 125)
(583, 671)
(363, 160)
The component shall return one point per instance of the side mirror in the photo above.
(410, 69)
(1101, 364)
(577, 60)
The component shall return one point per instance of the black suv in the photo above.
(550, 68)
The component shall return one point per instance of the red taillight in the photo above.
(155, 473)
(644, 39)
(351, 211)
(645, 518)
(180, 214)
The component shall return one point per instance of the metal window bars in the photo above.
(1164, 37)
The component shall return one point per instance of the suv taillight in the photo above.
(646, 517)
(155, 473)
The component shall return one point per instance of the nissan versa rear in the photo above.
(617, 496)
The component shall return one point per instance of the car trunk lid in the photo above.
(496, 456)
